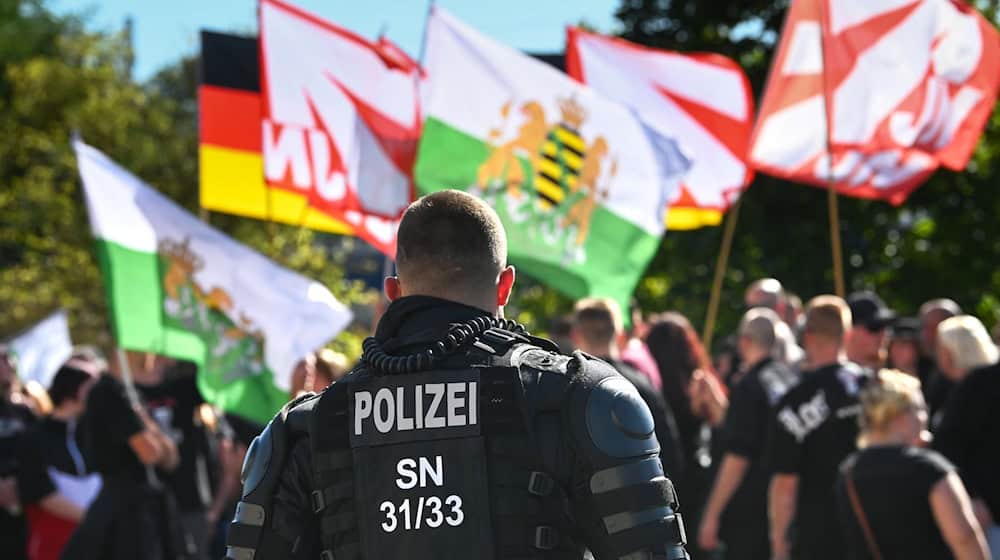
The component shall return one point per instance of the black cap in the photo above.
(868, 310)
(906, 327)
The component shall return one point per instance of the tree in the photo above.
(942, 242)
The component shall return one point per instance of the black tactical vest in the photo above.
(442, 463)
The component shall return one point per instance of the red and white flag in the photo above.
(704, 100)
(905, 86)
(341, 119)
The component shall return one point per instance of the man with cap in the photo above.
(866, 341)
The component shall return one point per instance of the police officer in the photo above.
(459, 435)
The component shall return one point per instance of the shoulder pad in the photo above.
(618, 422)
(266, 455)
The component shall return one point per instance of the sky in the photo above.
(165, 30)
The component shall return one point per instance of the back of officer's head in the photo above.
(596, 325)
(452, 245)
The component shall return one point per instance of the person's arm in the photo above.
(952, 510)
(731, 473)
(781, 509)
(60, 506)
(147, 447)
(231, 460)
(8, 492)
(152, 446)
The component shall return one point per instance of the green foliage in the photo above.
(58, 78)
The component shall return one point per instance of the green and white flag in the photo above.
(579, 182)
(178, 287)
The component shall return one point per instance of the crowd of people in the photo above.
(88, 470)
(835, 429)
(838, 429)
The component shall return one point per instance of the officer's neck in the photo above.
(486, 302)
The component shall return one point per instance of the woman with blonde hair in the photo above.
(967, 429)
(895, 498)
(963, 344)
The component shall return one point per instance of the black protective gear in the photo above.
(483, 442)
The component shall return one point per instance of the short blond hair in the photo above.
(889, 395)
(828, 316)
(968, 343)
(597, 320)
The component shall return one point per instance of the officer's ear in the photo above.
(392, 289)
(505, 284)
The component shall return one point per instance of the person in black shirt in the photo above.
(895, 499)
(597, 330)
(170, 391)
(52, 451)
(21, 482)
(15, 419)
(737, 505)
(969, 429)
(814, 428)
(120, 441)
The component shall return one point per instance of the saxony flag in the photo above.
(580, 183)
(180, 288)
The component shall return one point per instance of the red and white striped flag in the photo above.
(904, 85)
(700, 98)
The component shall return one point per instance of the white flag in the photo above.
(43, 349)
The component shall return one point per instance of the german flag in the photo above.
(231, 162)
(559, 165)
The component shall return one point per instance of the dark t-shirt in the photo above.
(751, 402)
(52, 440)
(969, 434)
(105, 429)
(893, 485)
(173, 404)
(15, 420)
(814, 428)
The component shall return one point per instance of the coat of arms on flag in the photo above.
(561, 187)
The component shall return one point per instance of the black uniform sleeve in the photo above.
(746, 421)
(33, 481)
(624, 502)
(784, 450)
(274, 518)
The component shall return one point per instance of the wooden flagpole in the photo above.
(832, 200)
(721, 264)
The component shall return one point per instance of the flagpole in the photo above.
(721, 264)
(833, 205)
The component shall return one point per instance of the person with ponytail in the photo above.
(895, 498)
